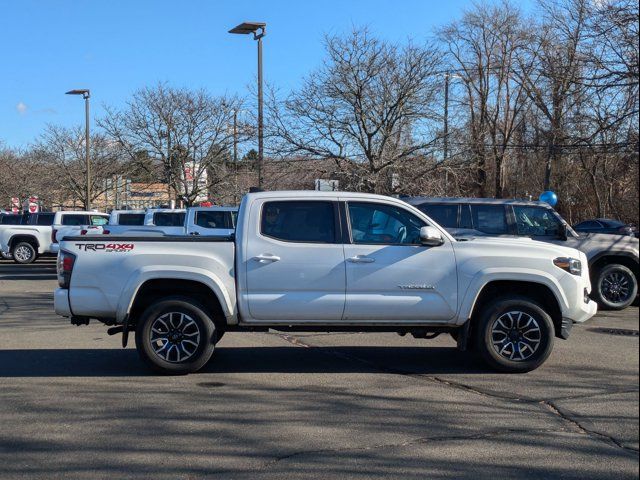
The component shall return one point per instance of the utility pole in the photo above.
(445, 147)
(86, 94)
(235, 155)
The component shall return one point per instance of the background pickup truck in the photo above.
(613, 259)
(26, 242)
(325, 261)
(192, 221)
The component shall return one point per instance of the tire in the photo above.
(514, 335)
(615, 287)
(6, 255)
(23, 253)
(188, 330)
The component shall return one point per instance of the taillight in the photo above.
(106, 232)
(53, 235)
(65, 267)
(83, 232)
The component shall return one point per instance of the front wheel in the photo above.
(615, 287)
(23, 253)
(175, 336)
(6, 255)
(514, 335)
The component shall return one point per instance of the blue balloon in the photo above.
(549, 197)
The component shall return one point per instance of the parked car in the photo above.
(7, 218)
(613, 260)
(325, 261)
(26, 242)
(606, 225)
(192, 221)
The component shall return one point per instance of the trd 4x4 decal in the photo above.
(106, 247)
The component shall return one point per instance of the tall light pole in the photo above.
(259, 30)
(86, 94)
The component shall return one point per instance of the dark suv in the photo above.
(613, 259)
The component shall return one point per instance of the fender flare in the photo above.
(144, 274)
(483, 277)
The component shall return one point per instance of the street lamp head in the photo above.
(250, 27)
(85, 92)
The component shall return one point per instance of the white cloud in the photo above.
(21, 107)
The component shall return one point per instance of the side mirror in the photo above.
(430, 236)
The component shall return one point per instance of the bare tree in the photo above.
(484, 47)
(62, 150)
(186, 133)
(367, 109)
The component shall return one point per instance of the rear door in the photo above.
(390, 275)
(295, 263)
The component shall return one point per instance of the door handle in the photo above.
(361, 259)
(194, 233)
(266, 258)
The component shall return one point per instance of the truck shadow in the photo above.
(126, 363)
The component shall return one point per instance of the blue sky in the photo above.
(115, 47)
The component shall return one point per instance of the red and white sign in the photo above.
(31, 205)
(15, 204)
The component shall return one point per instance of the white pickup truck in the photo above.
(192, 221)
(24, 243)
(326, 261)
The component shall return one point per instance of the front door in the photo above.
(295, 264)
(390, 275)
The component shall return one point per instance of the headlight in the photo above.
(571, 265)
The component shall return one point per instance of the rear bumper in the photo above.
(61, 302)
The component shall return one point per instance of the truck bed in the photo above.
(107, 273)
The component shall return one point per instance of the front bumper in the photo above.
(55, 248)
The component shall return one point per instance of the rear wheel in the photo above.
(615, 287)
(175, 336)
(23, 253)
(514, 335)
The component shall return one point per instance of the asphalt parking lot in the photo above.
(73, 404)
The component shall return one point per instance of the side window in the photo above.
(536, 221)
(131, 219)
(45, 219)
(589, 224)
(489, 219)
(444, 215)
(213, 219)
(99, 220)
(168, 219)
(11, 219)
(465, 216)
(299, 221)
(375, 223)
(74, 220)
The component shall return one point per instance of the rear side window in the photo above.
(131, 219)
(168, 219)
(74, 220)
(489, 219)
(213, 219)
(309, 222)
(45, 219)
(10, 219)
(444, 215)
(99, 220)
